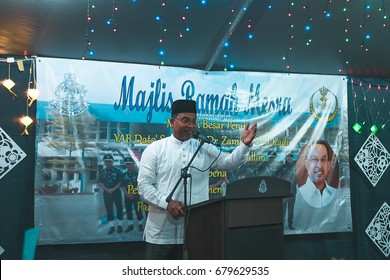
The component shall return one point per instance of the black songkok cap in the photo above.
(183, 106)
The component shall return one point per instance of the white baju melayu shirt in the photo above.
(160, 169)
(314, 197)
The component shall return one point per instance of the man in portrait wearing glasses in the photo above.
(321, 205)
(316, 191)
(161, 167)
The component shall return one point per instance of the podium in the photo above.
(246, 224)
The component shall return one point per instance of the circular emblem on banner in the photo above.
(70, 97)
(324, 105)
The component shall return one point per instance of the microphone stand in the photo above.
(185, 175)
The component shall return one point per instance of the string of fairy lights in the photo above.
(290, 34)
(90, 29)
(345, 33)
(309, 20)
(112, 20)
(185, 19)
(371, 105)
(31, 93)
(370, 9)
(226, 51)
(163, 30)
(365, 20)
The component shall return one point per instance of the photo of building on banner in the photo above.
(95, 119)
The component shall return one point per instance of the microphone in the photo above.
(203, 138)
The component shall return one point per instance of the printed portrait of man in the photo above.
(317, 174)
(321, 205)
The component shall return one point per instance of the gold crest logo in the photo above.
(324, 105)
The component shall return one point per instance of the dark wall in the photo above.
(17, 195)
(17, 186)
(367, 199)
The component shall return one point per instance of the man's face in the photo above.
(130, 166)
(318, 165)
(108, 163)
(184, 125)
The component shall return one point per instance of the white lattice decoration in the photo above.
(379, 229)
(10, 153)
(373, 159)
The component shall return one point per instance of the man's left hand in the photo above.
(249, 133)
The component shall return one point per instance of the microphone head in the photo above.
(196, 134)
(202, 138)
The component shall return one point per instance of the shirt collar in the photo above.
(179, 142)
(311, 188)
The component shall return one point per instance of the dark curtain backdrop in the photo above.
(367, 199)
(17, 193)
(17, 186)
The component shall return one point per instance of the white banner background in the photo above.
(128, 106)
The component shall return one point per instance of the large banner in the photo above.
(88, 109)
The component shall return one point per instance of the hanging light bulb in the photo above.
(32, 94)
(357, 128)
(26, 121)
(8, 84)
(374, 129)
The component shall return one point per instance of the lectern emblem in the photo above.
(263, 186)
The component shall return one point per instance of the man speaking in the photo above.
(161, 168)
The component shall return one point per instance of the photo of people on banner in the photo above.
(91, 137)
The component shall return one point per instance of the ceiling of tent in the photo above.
(317, 36)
